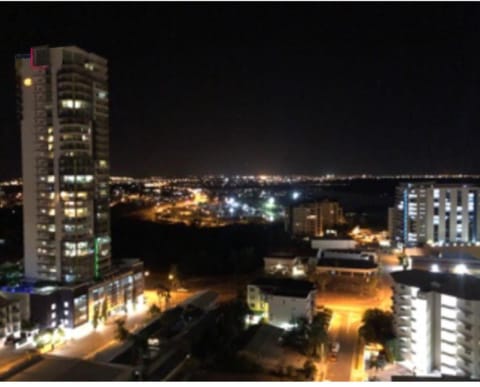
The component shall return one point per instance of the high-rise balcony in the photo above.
(464, 327)
(464, 315)
(464, 340)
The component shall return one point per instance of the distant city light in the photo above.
(434, 268)
(295, 195)
(270, 202)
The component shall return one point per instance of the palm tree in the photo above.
(95, 317)
(377, 326)
(104, 313)
(317, 334)
(154, 311)
(310, 369)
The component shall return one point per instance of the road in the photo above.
(104, 337)
(346, 320)
(343, 328)
(347, 312)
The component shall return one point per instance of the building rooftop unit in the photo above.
(284, 286)
(462, 286)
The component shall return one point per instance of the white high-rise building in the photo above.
(437, 321)
(63, 108)
(436, 214)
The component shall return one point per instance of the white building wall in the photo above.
(437, 332)
(421, 354)
(28, 166)
(324, 244)
(448, 335)
(282, 309)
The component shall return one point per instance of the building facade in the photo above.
(63, 111)
(437, 214)
(70, 280)
(10, 320)
(282, 300)
(73, 306)
(314, 219)
(437, 321)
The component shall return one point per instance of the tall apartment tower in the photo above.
(63, 111)
(436, 214)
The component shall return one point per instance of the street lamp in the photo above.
(146, 274)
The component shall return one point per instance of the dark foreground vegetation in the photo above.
(233, 249)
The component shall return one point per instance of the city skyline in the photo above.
(196, 91)
(327, 224)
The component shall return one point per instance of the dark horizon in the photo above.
(268, 88)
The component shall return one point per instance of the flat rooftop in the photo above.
(462, 286)
(284, 286)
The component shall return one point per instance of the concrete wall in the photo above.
(282, 309)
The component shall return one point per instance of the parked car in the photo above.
(335, 347)
(9, 340)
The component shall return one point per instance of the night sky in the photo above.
(275, 88)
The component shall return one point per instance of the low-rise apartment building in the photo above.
(282, 300)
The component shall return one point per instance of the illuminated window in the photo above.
(73, 104)
(102, 94)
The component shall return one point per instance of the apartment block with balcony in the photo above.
(63, 111)
(313, 219)
(437, 321)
